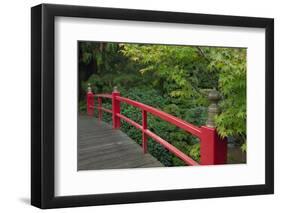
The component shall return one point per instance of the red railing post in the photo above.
(99, 107)
(90, 101)
(213, 148)
(144, 127)
(115, 109)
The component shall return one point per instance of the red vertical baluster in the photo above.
(115, 109)
(90, 101)
(100, 108)
(144, 127)
(213, 149)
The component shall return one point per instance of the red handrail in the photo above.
(212, 147)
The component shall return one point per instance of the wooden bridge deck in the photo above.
(101, 147)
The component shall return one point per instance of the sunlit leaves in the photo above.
(231, 66)
(180, 66)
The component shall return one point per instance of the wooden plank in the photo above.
(101, 147)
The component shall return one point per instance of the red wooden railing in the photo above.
(213, 149)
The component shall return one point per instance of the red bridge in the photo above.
(213, 149)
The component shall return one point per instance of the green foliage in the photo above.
(82, 106)
(230, 64)
(244, 147)
(182, 68)
(99, 52)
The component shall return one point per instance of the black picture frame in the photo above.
(43, 117)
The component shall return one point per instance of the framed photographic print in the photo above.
(140, 106)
